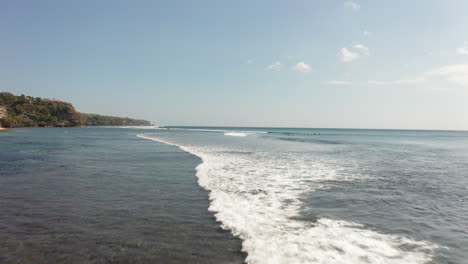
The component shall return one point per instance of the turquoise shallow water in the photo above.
(94, 195)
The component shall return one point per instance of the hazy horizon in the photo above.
(311, 64)
(330, 128)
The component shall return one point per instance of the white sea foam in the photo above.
(241, 133)
(140, 127)
(255, 193)
(195, 129)
(236, 134)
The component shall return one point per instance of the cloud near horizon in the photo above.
(400, 81)
(456, 74)
(464, 49)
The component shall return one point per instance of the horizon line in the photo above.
(404, 129)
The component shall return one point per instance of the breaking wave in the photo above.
(257, 197)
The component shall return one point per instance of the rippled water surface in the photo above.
(229, 195)
(103, 195)
(335, 196)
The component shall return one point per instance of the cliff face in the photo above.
(3, 112)
(27, 111)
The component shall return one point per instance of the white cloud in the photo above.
(400, 81)
(455, 73)
(373, 82)
(348, 56)
(353, 5)
(274, 67)
(363, 49)
(351, 55)
(338, 82)
(410, 81)
(250, 61)
(366, 33)
(463, 50)
(302, 67)
(440, 89)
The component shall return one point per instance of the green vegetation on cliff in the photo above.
(27, 111)
(100, 120)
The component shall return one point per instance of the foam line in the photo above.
(257, 197)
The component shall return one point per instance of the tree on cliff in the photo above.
(26, 111)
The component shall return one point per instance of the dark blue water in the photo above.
(103, 195)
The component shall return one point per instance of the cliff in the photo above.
(3, 111)
(27, 111)
(100, 120)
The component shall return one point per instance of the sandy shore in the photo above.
(3, 129)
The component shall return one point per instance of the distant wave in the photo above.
(129, 127)
(242, 133)
(226, 132)
(235, 134)
(141, 127)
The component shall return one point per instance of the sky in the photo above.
(334, 64)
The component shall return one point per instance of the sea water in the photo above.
(229, 195)
(104, 195)
(335, 195)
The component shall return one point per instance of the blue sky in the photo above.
(353, 64)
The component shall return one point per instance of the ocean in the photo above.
(233, 195)
(103, 195)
